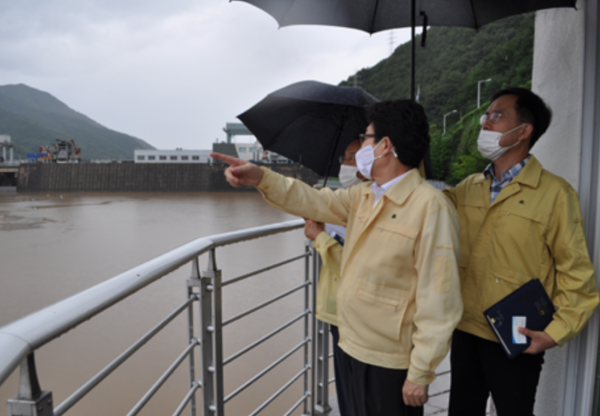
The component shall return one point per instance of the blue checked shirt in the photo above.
(507, 176)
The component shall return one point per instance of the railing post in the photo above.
(310, 302)
(31, 400)
(211, 339)
(218, 323)
(322, 352)
(193, 282)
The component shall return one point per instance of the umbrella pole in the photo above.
(335, 145)
(428, 168)
(332, 153)
(412, 41)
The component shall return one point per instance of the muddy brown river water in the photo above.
(55, 245)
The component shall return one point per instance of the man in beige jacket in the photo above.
(519, 222)
(328, 241)
(399, 295)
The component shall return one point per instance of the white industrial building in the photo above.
(249, 151)
(245, 151)
(254, 151)
(171, 156)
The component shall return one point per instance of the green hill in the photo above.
(447, 71)
(35, 118)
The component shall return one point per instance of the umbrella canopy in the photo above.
(310, 122)
(377, 15)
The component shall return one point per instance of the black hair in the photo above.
(405, 123)
(531, 109)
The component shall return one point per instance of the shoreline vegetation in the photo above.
(447, 72)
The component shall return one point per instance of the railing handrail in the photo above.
(23, 336)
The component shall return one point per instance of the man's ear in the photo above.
(388, 143)
(526, 132)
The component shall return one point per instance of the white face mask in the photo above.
(488, 143)
(348, 176)
(365, 158)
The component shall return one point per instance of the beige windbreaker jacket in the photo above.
(331, 255)
(533, 230)
(399, 294)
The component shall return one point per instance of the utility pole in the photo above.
(445, 115)
(391, 42)
(479, 90)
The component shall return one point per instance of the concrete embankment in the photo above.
(134, 177)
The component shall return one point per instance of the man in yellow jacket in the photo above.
(328, 241)
(518, 222)
(399, 295)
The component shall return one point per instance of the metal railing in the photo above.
(20, 339)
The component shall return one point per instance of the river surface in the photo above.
(55, 245)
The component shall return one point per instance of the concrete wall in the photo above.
(130, 177)
(558, 79)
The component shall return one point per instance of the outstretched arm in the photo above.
(240, 172)
(290, 195)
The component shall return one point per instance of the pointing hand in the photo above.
(240, 172)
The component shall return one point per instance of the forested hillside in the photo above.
(35, 118)
(448, 69)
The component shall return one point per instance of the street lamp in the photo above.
(479, 90)
(445, 115)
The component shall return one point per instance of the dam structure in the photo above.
(138, 177)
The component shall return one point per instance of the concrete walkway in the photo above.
(439, 394)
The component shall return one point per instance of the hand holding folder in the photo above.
(529, 307)
(540, 341)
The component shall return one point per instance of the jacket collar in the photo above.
(401, 190)
(530, 174)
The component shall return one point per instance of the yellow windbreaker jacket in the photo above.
(331, 255)
(399, 294)
(532, 230)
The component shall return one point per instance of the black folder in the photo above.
(531, 302)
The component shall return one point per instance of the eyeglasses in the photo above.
(350, 159)
(494, 116)
(362, 137)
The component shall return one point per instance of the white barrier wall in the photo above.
(560, 78)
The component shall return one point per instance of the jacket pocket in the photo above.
(443, 274)
(377, 320)
(500, 285)
(519, 246)
(398, 229)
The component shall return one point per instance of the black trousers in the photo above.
(340, 381)
(376, 391)
(480, 367)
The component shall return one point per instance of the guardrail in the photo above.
(20, 339)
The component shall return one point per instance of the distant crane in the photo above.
(63, 151)
(77, 149)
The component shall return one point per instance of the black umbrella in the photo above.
(310, 122)
(377, 15)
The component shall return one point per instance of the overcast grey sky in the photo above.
(171, 72)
